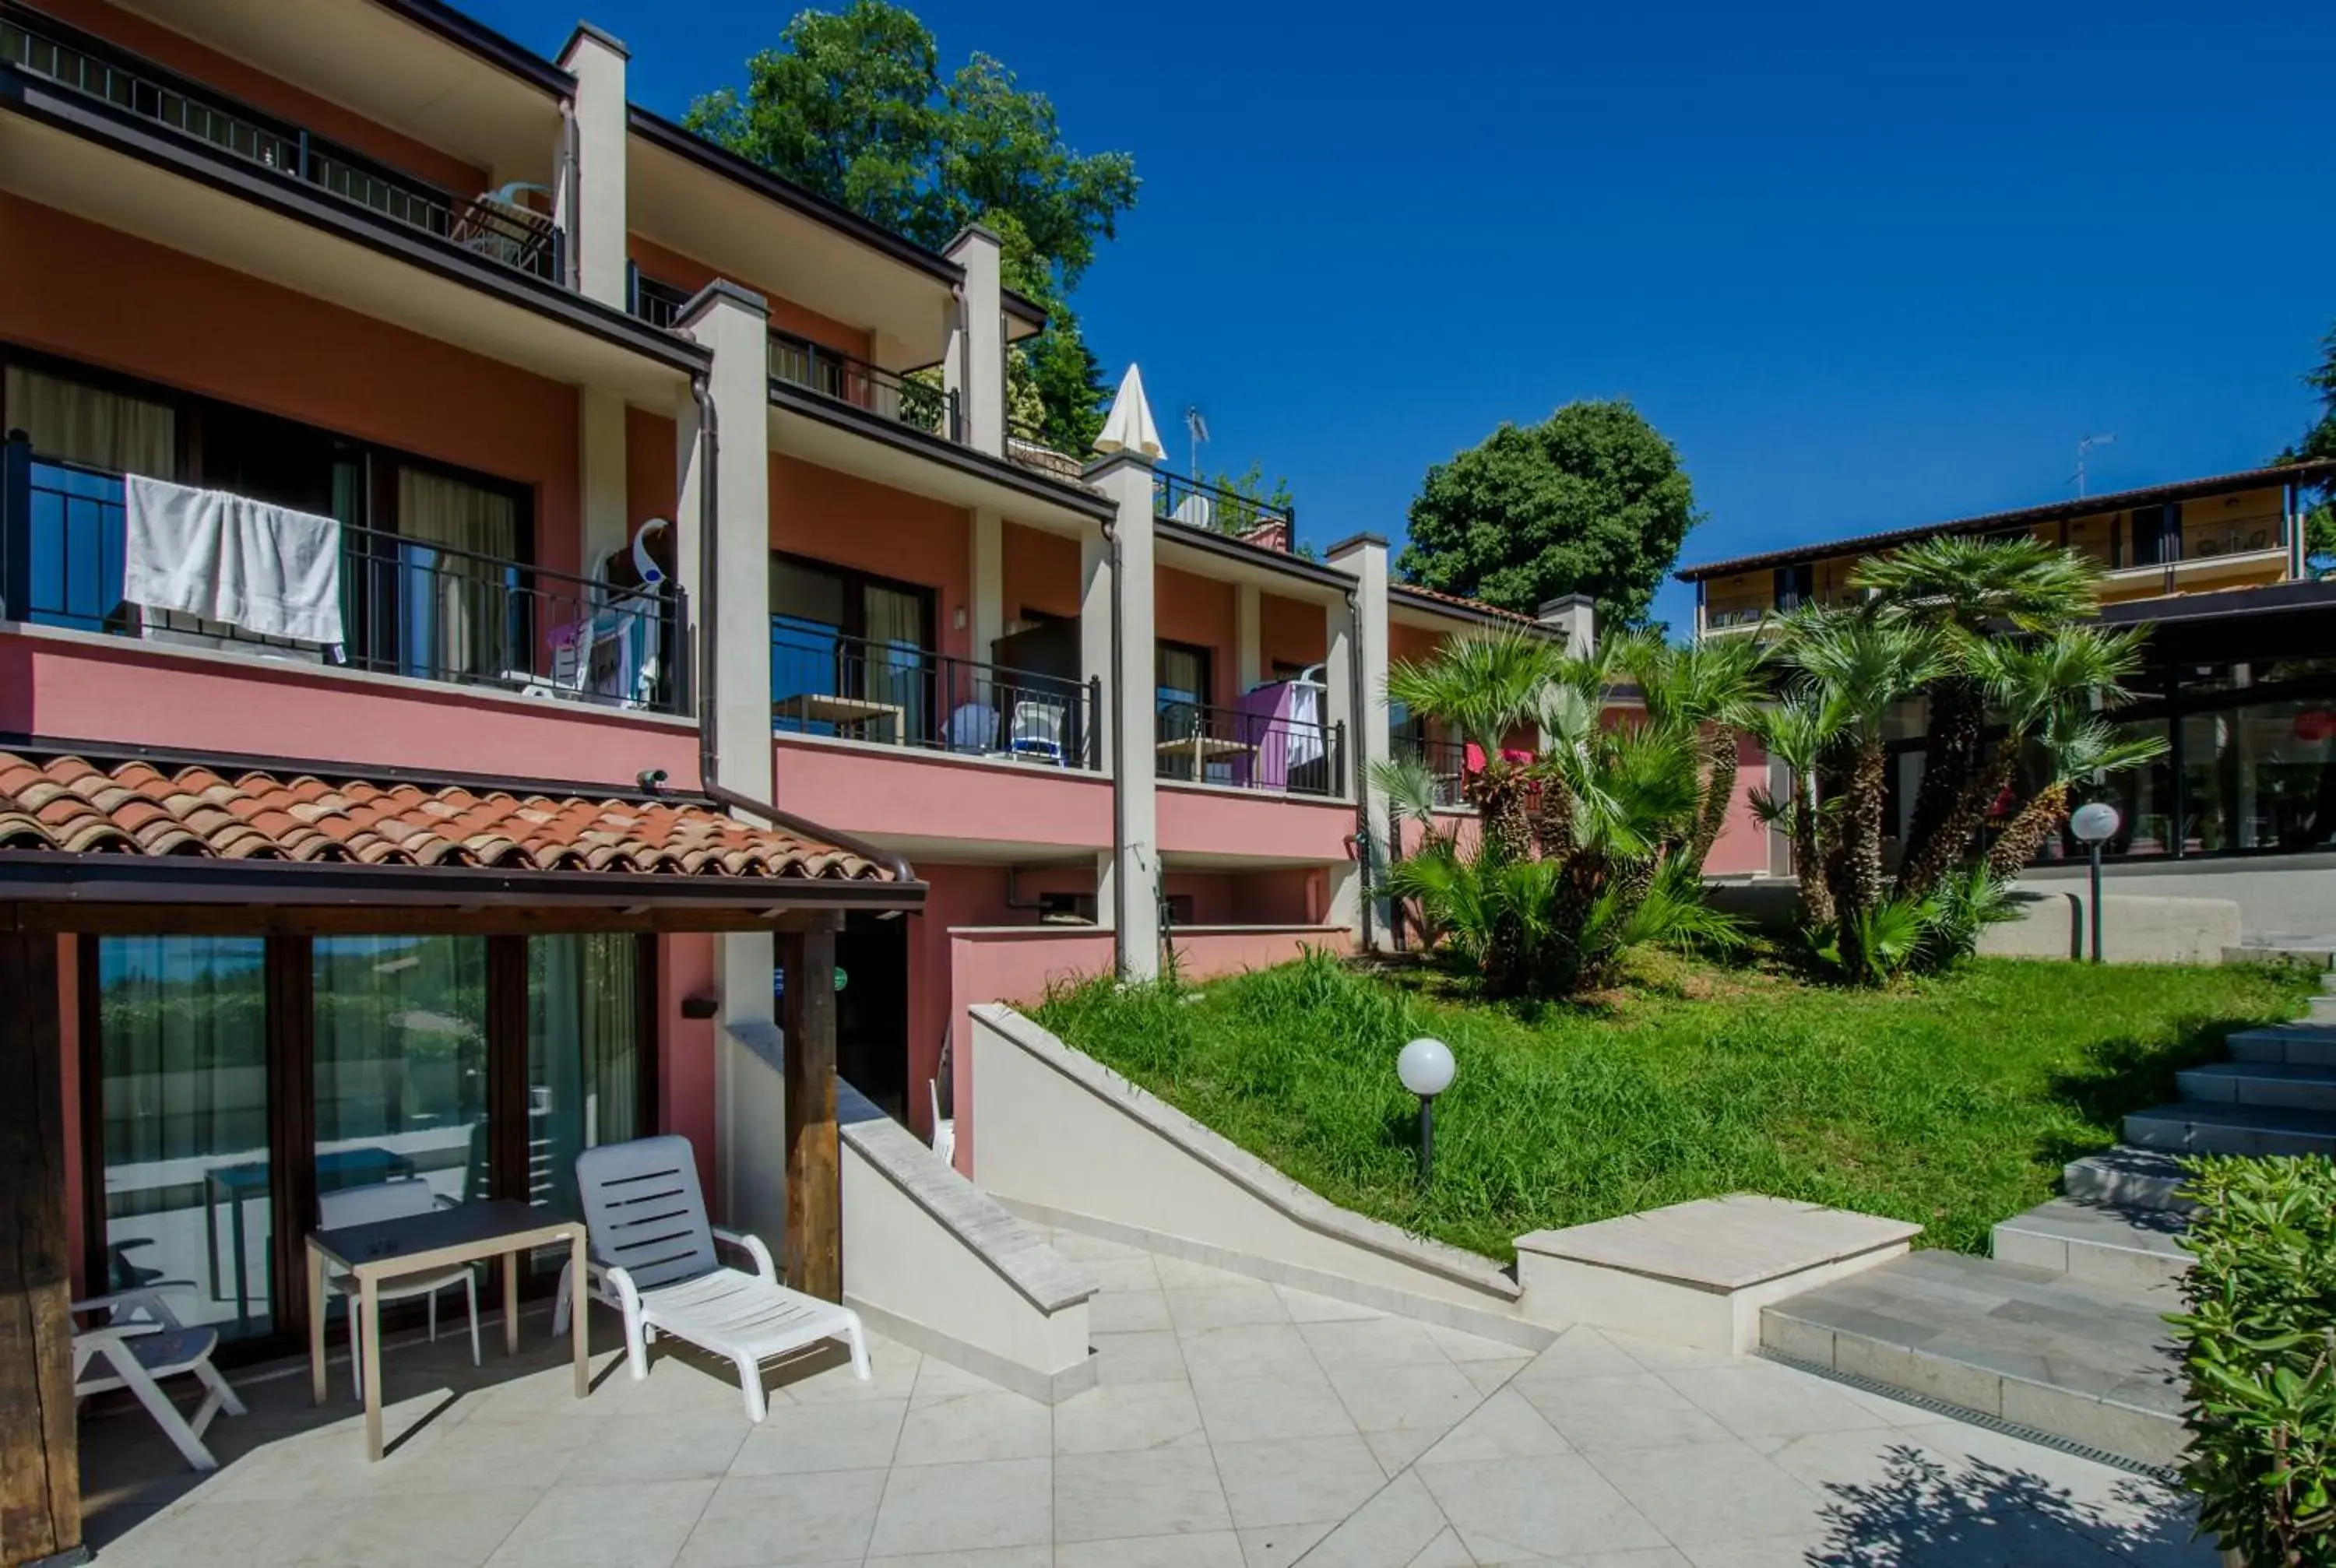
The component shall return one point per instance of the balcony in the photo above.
(1446, 762)
(498, 225)
(1195, 503)
(409, 606)
(1033, 448)
(1272, 750)
(904, 399)
(825, 683)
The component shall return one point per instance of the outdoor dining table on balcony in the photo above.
(433, 1243)
(1204, 749)
(829, 708)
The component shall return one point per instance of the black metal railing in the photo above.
(496, 226)
(825, 683)
(408, 607)
(920, 404)
(1180, 498)
(658, 302)
(1030, 445)
(1447, 762)
(1271, 751)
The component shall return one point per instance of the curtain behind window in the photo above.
(583, 1059)
(896, 662)
(457, 612)
(72, 423)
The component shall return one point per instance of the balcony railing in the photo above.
(495, 225)
(409, 606)
(1447, 762)
(825, 683)
(658, 304)
(1180, 498)
(1032, 447)
(900, 398)
(1274, 753)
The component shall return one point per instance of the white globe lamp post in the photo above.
(1424, 1066)
(2094, 826)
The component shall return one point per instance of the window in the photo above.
(401, 1064)
(2156, 532)
(843, 634)
(1795, 586)
(182, 1096)
(584, 1059)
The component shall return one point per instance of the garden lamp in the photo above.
(1424, 1066)
(2094, 826)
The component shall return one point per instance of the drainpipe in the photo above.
(571, 181)
(709, 750)
(1365, 847)
(1118, 741)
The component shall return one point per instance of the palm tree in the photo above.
(1710, 689)
(2081, 746)
(1862, 664)
(1968, 590)
(1485, 690)
(1800, 732)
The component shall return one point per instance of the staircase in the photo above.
(2061, 1330)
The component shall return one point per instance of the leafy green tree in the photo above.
(2319, 445)
(852, 105)
(1592, 500)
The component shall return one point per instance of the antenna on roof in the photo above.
(2083, 445)
(1196, 425)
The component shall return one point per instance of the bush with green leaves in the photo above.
(2258, 1345)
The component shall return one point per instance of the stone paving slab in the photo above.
(2105, 1244)
(1248, 1426)
(1722, 1243)
(2299, 1086)
(2194, 1127)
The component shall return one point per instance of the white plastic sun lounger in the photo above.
(141, 1343)
(654, 1253)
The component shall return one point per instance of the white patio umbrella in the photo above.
(1129, 426)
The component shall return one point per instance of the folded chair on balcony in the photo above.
(142, 1342)
(653, 1252)
(1038, 726)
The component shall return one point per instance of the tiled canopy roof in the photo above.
(1479, 606)
(132, 808)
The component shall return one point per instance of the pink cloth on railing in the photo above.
(1474, 759)
(1265, 726)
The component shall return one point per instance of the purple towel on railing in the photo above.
(1265, 714)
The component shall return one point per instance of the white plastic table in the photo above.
(432, 1244)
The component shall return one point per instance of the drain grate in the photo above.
(2166, 1474)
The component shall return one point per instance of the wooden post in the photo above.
(40, 1458)
(812, 1248)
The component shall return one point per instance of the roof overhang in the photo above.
(693, 197)
(43, 891)
(2225, 605)
(859, 442)
(1431, 614)
(1224, 558)
(419, 68)
(81, 156)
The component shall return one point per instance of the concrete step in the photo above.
(2194, 1128)
(2099, 1243)
(2289, 1083)
(2323, 1009)
(2310, 958)
(2128, 1177)
(2085, 1362)
(2305, 1045)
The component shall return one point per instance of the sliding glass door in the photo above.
(401, 1080)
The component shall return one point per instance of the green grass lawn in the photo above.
(1951, 1101)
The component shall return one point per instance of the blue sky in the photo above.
(1866, 266)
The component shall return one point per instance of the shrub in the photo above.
(2259, 1346)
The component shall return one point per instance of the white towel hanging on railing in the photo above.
(269, 569)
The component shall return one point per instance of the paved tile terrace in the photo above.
(1235, 1425)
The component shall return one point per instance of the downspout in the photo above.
(571, 181)
(1118, 741)
(709, 751)
(1364, 846)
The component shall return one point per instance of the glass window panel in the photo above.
(402, 1062)
(583, 1060)
(183, 1036)
(2259, 777)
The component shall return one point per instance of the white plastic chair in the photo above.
(973, 727)
(392, 1201)
(142, 1342)
(944, 1128)
(653, 1250)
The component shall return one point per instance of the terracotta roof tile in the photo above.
(1477, 605)
(68, 804)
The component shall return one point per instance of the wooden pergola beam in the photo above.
(812, 1246)
(40, 1457)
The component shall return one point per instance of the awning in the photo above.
(127, 845)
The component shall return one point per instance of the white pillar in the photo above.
(1248, 635)
(750, 1155)
(595, 226)
(1096, 592)
(975, 367)
(1573, 617)
(1356, 673)
(1133, 887)
(988, 581)
(600, 440)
